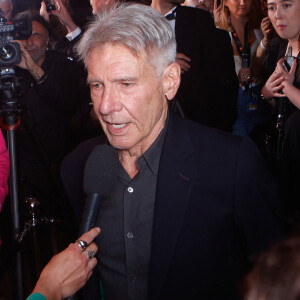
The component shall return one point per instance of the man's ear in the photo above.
(171, 80)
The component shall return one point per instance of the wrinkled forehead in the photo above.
(139, 53)
(103, 47)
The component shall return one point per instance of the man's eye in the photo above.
(126, 84)
(286, 5)
(271, 8)
(95, 85)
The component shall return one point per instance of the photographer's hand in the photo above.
(183, 61)
(29, 64)
(64, 16)
(43, 11)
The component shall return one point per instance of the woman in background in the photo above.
(242, 19)
(284, 62)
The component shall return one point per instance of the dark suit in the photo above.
(208, 92)
(216, 206)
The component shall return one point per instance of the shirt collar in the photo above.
(171, 11)
(152, 155)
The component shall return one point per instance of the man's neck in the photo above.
(162, 7)
(128, 157)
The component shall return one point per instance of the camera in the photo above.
(10, 52)
(287, 63)
(50, 5)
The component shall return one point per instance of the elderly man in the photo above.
(191, 205)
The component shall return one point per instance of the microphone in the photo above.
(100, 173)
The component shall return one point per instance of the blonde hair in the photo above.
(253, 21)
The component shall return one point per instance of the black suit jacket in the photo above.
(208, 91)
(215, 208)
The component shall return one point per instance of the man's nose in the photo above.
(110, 101)
(29, 41)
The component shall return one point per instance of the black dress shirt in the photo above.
(126, 219)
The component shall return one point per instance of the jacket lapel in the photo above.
(175, 181)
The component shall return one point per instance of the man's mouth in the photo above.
(31, 49)
(118, 126)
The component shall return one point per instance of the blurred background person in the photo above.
(7, 8)
(208, 89)
(242, 19)
(51, 94)
(276, 274)
(203, 4)
(283, 65)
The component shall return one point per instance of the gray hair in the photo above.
(138, 28)
(5, 1)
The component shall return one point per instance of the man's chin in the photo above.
(120, 143)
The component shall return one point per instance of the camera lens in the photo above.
(7, 53)
(10, 53)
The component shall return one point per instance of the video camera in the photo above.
(10, 52)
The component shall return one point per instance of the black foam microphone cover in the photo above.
(100, 173)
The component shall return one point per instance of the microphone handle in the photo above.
(90, 213)
(88, 218)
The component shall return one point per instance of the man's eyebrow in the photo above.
(35, 33)
(120, 79)
(91, 80)
(129, 78)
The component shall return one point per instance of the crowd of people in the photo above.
(183, 91)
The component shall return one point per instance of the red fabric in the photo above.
(4, 170)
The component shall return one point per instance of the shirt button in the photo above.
(130, 189)
(130, 235)
(132, 278)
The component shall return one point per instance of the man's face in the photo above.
(285, 18)
(37, 43)
(7, 10)
(128, 97)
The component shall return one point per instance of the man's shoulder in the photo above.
(198, 132)
(208, 141)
